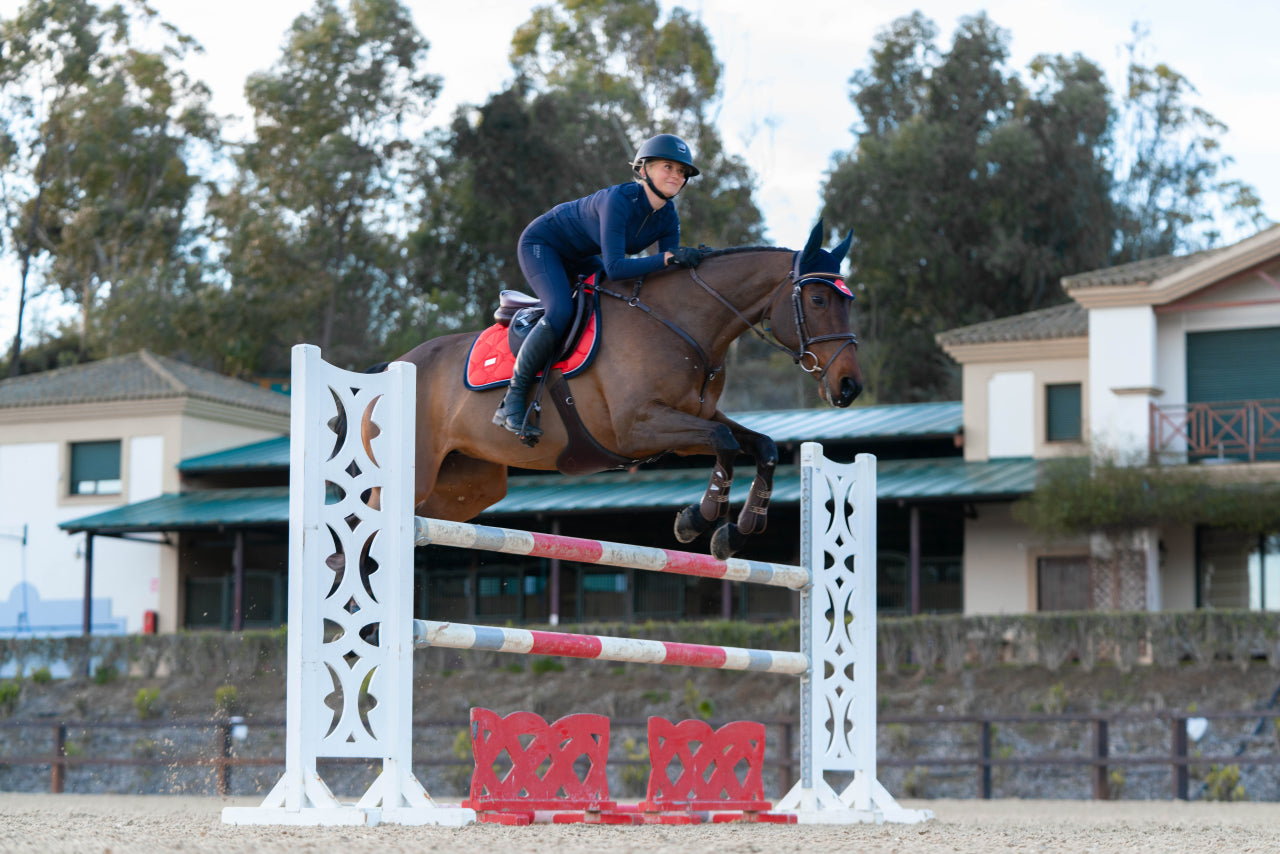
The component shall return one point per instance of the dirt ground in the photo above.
(111, 824)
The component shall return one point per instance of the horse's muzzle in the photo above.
(849, 391)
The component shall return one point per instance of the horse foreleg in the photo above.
(753, 517)
(694, 520)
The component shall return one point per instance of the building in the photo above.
(98, 436)
(1172, 360)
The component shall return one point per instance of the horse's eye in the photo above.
(820, 300)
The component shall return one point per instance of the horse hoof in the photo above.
(726, 541)
(690, 524)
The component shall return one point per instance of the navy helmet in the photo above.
(665, 146)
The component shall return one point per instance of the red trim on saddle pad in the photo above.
(490, 363)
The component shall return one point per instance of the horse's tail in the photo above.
(377, 369)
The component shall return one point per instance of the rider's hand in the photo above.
(685, 256)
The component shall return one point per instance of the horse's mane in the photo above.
(735, 250)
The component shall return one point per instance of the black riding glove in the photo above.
(686, 256)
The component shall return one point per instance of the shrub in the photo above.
(226, 699)
(9, 691)
(145, 702)
(546, 665)
(1222, 783)
(41, 676)
(105, 674)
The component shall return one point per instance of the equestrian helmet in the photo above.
(665, 146)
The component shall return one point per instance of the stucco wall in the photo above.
(129, 577)
(1015, 379)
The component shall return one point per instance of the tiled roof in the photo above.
(1137, 272)
(1059, 321)
(137, 376)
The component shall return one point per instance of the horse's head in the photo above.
(818, 304)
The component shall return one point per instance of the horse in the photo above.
(653, 386)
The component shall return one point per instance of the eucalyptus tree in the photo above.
(972, 190)
(592, 80)
(97, 152)
(314, 223)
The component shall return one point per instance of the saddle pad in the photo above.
(490, 363)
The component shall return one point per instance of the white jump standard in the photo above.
(351, 633)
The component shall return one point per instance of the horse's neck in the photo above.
(747, 282)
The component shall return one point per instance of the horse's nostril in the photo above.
(850, 389)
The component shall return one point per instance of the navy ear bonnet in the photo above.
(813, 259)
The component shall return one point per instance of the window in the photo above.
(95, 468)
(1062, 584)
(1062, 412)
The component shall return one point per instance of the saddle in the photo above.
(519, 312)
(492, 359)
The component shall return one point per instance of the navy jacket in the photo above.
(602, 229)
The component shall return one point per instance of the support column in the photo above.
(87, 627)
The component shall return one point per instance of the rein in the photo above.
(802, 326)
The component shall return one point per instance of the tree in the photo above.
(971, 193)
(594, 79)
(639, 76)
(314, 221)
(1170, 192)
(97, 176)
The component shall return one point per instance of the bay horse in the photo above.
(653, 386)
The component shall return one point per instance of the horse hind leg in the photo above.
(463, 488)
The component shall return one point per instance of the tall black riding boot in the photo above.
(535, 353)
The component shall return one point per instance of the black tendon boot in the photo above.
(534, 354)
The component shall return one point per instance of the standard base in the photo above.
(347, 816)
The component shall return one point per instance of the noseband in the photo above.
(798, 280)
(804, 339)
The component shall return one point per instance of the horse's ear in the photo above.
(839, 252)
(813, 247)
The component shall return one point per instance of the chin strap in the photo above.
(643, 172)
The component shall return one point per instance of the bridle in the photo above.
(764, 332)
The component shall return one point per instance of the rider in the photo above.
(597, 231)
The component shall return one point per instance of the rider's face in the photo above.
(667, 175)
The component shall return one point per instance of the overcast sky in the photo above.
(786, 68)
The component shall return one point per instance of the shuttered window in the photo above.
(1237, 364)
(1062, 412)
(95, 468)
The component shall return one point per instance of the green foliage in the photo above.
(10, 689)
(513, 667)
(144, 702)
(105, 674)
(1115, 784)
(972, 190)
(546, 665)
(695, 703)
(41, 676)
(226, 699)
(1079, 494)
(1222, 783)
(635, 774)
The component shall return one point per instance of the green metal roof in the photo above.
(895, 421)
(918, 480)
(210, 508)
(267, 454)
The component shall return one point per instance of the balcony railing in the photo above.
(1236, 430)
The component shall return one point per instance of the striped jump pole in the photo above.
(468, 536)
(427, 633)
(351, 632)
